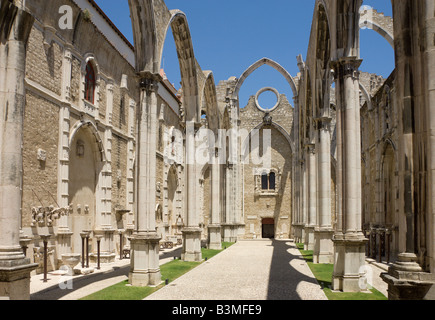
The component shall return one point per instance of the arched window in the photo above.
(90, 83)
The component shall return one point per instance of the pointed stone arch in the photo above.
(209, 99)
(279, 128)
(91, 127)
(186, 58)
(258, 64)
(376, 21)
(144, 35)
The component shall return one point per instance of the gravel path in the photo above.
(248, 270)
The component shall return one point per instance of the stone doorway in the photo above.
(84, 167)
(268, 228)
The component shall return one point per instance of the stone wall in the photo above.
(259, 205)
(41, 132)
(44, 62)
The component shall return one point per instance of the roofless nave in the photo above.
(95, 141)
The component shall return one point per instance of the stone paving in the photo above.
(82, 286)
(248, 270)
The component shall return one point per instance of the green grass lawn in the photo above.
(171, 271)
(323, 274)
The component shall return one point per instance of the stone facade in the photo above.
(108, 150)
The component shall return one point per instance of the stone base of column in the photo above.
(302, 233)
(64, 236)
(15, 279)
(230, 232)
(323, 246)
(309, 238)
(299, 233)
(349, 262)
(107, 245)
(191, 245)
(105, 257)
(144, 263)
(214, 237)
(406, 279)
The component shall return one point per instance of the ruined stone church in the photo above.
(97, 144)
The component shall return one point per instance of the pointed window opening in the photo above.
(90, 83)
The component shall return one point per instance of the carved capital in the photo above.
(149, 81)
(323, 123)
(346, 67)
(311, 148)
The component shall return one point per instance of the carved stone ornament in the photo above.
(45, 216)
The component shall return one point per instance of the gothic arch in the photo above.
(368, 20)
(245, 143)
(144, 35)
(186, 57)
(209, 99)
(366, 95)
(258, 64)
(88, 125)
(322, 80)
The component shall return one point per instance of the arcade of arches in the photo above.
(94, 139)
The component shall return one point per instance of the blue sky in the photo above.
(230, 35)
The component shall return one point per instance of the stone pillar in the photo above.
(145, 269)
(191, 231)
(349, 240)
(14, 267)
(304, 188)
(408, 278)
(312, 198)
(323, 248)
(214, 228)
(63, 231)
(104, 214)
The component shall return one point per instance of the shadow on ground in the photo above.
(284, 278)
(55, 292)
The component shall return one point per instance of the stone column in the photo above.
(14, 267)
(409, 277)
(323, 248)
(312, 198)
(304, 188)
(214, 228)
(191, 231)
(103, 221)
(145, 269)
(64, 233)
(349, 241)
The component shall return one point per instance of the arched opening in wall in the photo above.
(85, 164)
(264, 76)
(375, 43)
(90, 82)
